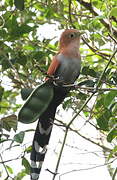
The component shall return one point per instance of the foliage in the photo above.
(25, 57)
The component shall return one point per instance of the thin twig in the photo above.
(85, 169)
(98, 83)
(114, 175)
(95, 50)
(112, 38)
(70, 18)
(3, 162)
(50, 171)
(4, 166)
(82, 107)
(60, 154)
(86, 138)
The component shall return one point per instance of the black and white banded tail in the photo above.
(43, 132)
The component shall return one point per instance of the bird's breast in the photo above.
(69, 69)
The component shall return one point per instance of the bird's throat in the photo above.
(72, 50)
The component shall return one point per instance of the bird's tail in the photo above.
(43, 132)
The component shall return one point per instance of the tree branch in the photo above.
(96, 51)
(70, 17)
(90, 88)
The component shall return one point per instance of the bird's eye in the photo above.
(72, 35)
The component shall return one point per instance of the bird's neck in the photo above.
(72, 50)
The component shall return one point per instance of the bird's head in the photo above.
(69, 36)
(70, 41)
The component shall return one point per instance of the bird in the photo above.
(65, 68)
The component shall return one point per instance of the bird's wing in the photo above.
(53, 66)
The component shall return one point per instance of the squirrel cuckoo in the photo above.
(65, 67)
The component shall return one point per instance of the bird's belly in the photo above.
(68, 70)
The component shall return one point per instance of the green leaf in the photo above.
(19, 4)
(9, 122)
(21, 59)
(5, 63)
(24, 28)
(109, 98)
(88, 71)
(29, 48)
(20, 175)
(81, 96)
(49, 13)
(39, 55)
(66, 103)
(88, 83)
(26, 164)
(19, 137)
(112, 153)
(100, 102)
(3, 33)
(28, 149)
(9, 2)
(103, 120)
(113, 12)
(9, 169)
(112, 134)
